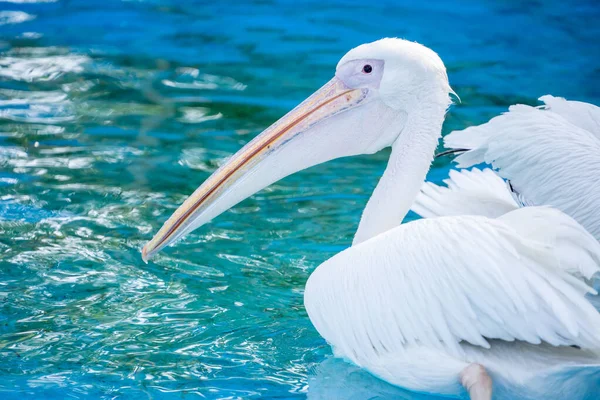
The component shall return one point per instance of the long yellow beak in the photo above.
(225, 187)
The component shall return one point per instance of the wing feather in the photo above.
(440, 282)
(550, 154)
(473, 192)
(583, 115)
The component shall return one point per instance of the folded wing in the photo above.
(442, 282)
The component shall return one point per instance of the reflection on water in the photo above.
(336, 379)
(112, 112)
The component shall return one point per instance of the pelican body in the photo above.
(453, 305)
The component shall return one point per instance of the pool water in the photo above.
(112, 112)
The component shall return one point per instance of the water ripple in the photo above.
(111, 113)
(32, 69)
(14, 17)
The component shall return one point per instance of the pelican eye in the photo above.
(367, 69)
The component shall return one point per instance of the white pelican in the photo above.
(550, 155)
(438, 305)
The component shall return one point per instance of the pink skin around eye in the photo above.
(354, 75)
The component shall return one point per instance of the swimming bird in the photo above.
(448, 305)
(549, 154)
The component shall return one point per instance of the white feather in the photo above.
(530, 372)
(474, 192)
(428, 288)
(583, 115)
(548, 158)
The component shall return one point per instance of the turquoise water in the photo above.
(112, 112)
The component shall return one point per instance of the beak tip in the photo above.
(145, 256)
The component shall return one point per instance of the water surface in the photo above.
(112, 112)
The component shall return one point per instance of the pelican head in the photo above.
(363, 109)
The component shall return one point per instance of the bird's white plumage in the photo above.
(434, 285)
(482, 192)
(584, 115)
(467, 192)
(528, 372)
(548, 159)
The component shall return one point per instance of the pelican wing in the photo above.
(441, 282)
(584, 115)
(549, 154)
(467, 192)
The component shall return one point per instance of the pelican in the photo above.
(453, 305)
(549, 154)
